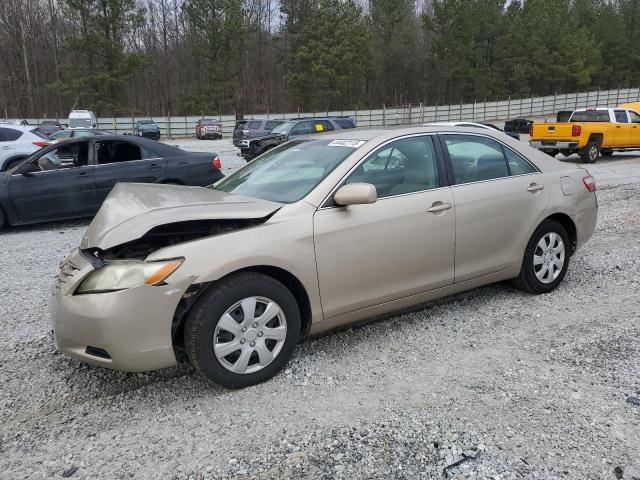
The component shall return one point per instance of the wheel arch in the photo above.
(567, 222)
(289, 280)
(596, 138)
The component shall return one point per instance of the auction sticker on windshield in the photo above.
(346, 143)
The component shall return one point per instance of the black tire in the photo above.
(606, 153)
(3, 219)
(553, 153)
(206, 313)
(527, 280)
(591, 153)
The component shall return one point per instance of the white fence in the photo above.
(403, 115)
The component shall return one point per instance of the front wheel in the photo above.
(591, 153)
(545, 260)
(243, 330)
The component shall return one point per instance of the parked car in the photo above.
(18, 142)
(50, 126)
(75, 133)
(84, 119)
(252, 128)
(72, 179)
(297, 127)
(518, 125)
(319, 233)
(147, 129)
(208, 128)
(589, 133)
(483, 125)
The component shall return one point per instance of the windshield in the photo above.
(283, 128)
(210, 122)
(289, 172)
(79, 122)
(147, 126)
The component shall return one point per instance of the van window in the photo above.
(80, 123)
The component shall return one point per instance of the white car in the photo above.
(18, 142)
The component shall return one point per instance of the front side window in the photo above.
(288, 172)
(404, 166)
(303, 128)
(68, 155)
(271, 124)
(116, 151)
(621, 116)
(475, 158)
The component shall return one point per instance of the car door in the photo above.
(634, 117)
(61, 185)
(124, 161)
(499, 197)
(7, 147)
(401, 245)
(623, 129)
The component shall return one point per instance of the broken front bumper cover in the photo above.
(123, 330)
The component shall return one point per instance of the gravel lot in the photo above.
(501, 384)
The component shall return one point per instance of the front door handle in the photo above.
(535, 187)
(83, 174)
(153, 166)
(438, 207)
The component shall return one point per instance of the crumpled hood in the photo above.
(132, 209)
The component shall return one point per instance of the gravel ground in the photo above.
(490, 383)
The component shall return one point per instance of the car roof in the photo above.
(15, 126)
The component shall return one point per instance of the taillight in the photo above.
(216, 163)
(576, 130)
(531, 130)
(41, 144)
(589, 183)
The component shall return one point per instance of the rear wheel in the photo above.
(591, 153)
(545, 260)
(243, 330)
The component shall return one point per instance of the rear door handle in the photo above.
(535, 187)
(438, 207)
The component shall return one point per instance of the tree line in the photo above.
(173, 57)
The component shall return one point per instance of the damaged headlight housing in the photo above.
(123, 274)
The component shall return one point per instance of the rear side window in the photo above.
(255, 125)
(9, 134)
(345, 123)
(635, 118)
(591, 116)
(621, 116)
(303, 128)
(517, 165)
(326, 126)
(475, 158)
(114, 151)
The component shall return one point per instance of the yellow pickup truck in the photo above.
(589, 133)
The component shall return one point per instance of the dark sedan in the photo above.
(72, 179)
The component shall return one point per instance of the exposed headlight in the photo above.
(120, 275)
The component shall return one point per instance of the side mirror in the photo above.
(356, 194)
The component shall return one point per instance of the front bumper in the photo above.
(126, 330)
(150, 135)
(553, 144)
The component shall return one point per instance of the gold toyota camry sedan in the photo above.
(317, 233)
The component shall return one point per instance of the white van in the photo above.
(82, 119)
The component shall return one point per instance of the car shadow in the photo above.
(616, 157)
(46, 227)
